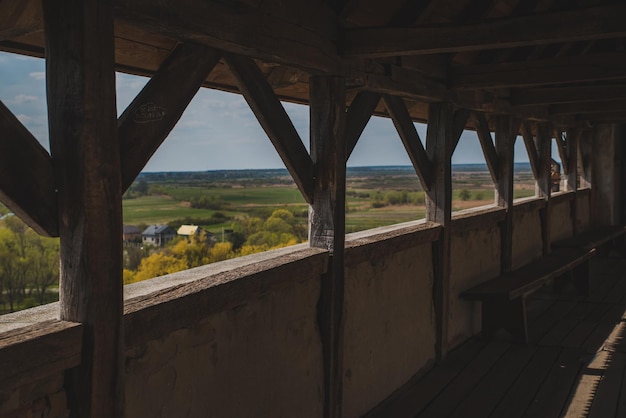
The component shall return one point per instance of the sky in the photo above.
(218, 130)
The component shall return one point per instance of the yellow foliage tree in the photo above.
(159, 264)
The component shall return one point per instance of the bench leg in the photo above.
(578, 276)
(507, 314)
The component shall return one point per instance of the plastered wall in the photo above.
(389, 328)
(261, 358)
(561, 223)
(527, 240)
(44, 398)
(475, 258)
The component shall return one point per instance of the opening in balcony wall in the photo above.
(382, 187)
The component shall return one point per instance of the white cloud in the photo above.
(24, 98)
(38, 75)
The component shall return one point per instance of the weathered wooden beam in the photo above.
(359, 113)
(82, 117)
(572, 175)
(410, 139)
(531, 149)
(560, 70)
(19, 17)
(274, 119)
(569, 94)
(566, 26)
(504, 145)
(26, 176)
(544, 181)
(413, 13)
(584, 158)
(305, 41)
(439, 209)
(51, 347)
(148, 120)
(561, 146)
(407, 83)
(461, 117)
(588, 108)
(327, 224)
(486, 143)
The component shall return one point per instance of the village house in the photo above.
(158, 235)
(130, 233)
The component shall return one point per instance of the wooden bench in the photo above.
(504, 297)
(597, 238)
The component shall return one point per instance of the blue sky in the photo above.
(218, 130)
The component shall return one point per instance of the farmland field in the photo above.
(376, 196)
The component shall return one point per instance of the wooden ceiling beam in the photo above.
(27, 184)
(148, 120)
(562, 70)
(274, 120)
(486, 142)
(20, 17)
(359, 113)
(239, 29)
(531, 148)
(585, 108)
(410, 138)
(569, 94)
(578, 25)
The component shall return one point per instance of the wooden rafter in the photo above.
(148, 120)
(413, 13)
(486, 142)
(359, 113)
(242, 29)
(531, 149)
(460, 120)
(407, 83)
(558, 95)
(589, 108)
(26, 176)
(19, 17)
(410, 138)
(275, 121)
(585, 24)
(561, 70)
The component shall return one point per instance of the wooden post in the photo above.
(505, 141)
(584, 159)
(85, 151)
(544, 182)
(327, 222)
(572, 174)
(439, 209)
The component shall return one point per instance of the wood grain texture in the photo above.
(567, 26)
(531, 148)
(327, 223)
(504, 144)
(359, 113)
(26, 176)
(49, 347)
(242, 29)
(486, 143)
(410, 139)
(80, 81)
(439, 142)
(272, 116)
(151, 116)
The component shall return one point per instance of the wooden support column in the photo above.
(572, 173)
(80, 80)
(439, 143)
(544, 181)
(505, 141)
(584, 158)
(327, 223)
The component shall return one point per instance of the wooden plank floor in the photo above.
(574, 365)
